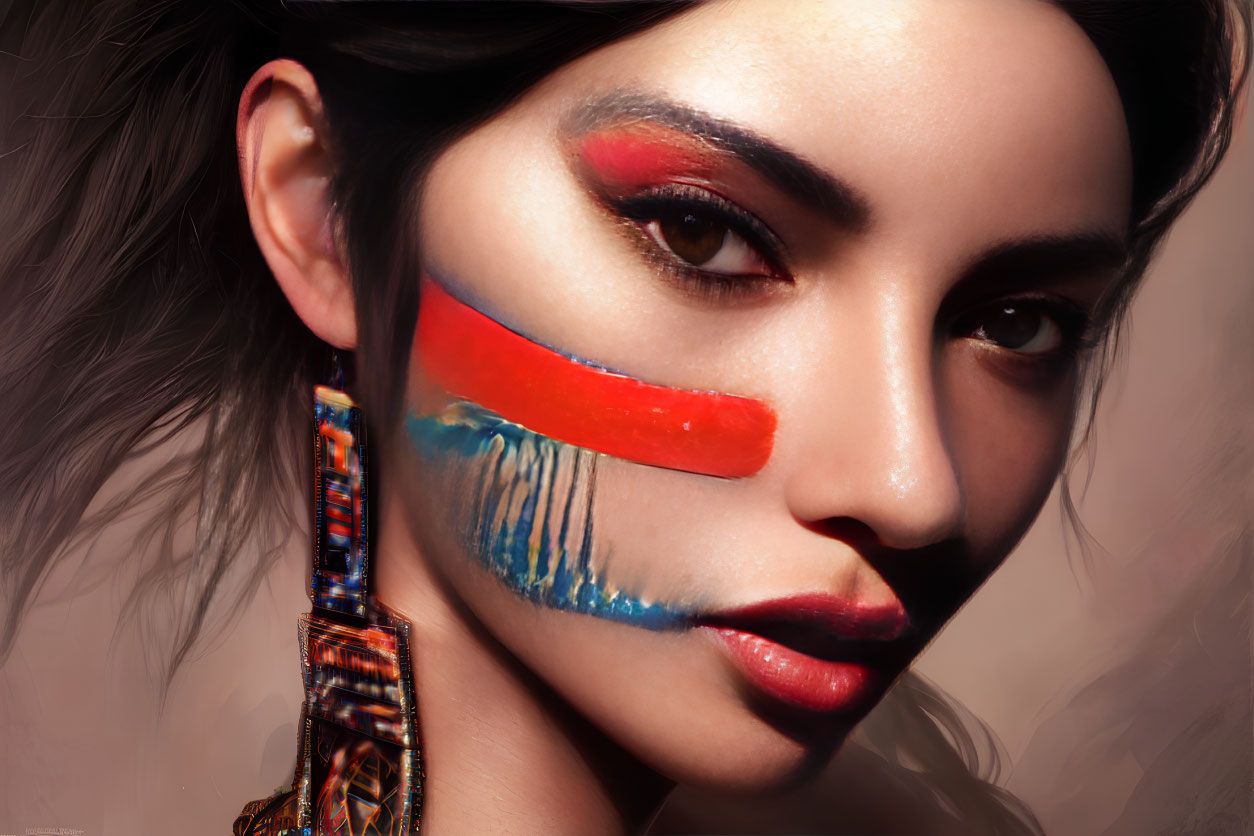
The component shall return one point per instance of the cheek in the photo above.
(523, 507)
(1009, 443)
(524, 442)
(461, 351)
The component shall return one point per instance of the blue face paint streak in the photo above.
(529, 514)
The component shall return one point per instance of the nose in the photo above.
(872, 445)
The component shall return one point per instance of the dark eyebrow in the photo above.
(791, 174)
(1026, 263)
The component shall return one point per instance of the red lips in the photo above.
(817, 653)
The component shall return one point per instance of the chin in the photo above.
(762, 770)
(759, 751)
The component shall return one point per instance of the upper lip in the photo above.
(822, 625)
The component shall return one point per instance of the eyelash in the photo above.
(658, 202)
(1074, 324)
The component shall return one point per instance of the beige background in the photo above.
(1127, 688)
(1121, 695)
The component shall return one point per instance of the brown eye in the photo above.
(1018, 327)
(702, 233)
(694, 239)
(707, 243)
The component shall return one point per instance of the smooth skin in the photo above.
(912, 450)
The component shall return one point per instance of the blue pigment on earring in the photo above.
(530, 516)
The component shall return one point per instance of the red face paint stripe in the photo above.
(471, 356)
(643, 156)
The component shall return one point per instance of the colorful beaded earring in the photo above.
(358, 769)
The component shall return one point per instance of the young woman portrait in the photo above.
(620, 396)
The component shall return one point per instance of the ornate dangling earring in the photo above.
(359, 769)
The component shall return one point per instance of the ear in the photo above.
(286, 172)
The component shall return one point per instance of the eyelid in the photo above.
(1073, 320)
(649, 204)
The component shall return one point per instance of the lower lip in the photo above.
(795, 679)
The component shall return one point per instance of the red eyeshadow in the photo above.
(643, 156)
(471, 356)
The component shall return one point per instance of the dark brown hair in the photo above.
(139, 303)
(138, 307)
(1180, 67)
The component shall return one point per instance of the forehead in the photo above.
(998, 115)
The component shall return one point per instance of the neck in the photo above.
(502, 753)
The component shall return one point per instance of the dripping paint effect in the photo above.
(529, 514)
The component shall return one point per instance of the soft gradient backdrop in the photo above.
(1120, 692)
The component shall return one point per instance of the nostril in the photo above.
(865, 538)
(853, 533)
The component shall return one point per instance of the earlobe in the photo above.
(285, 169)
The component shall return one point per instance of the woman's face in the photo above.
(840, 257)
